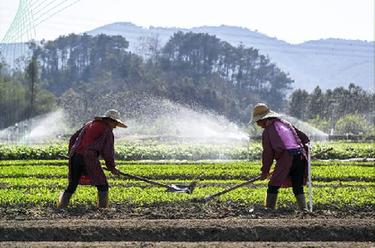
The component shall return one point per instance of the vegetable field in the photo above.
(135, 151)
(337, 185)
(31, 178)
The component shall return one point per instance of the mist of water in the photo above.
(41, 129)
(312, 132)
(164, 119)
(147, 118)
(151, 118)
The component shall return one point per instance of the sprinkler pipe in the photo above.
(309, 148)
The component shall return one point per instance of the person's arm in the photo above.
(108, 152)
(73, 139)
(304, 140)
(268, 155)
(302, 136)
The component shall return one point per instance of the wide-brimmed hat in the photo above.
(114, 115)
(262, 111)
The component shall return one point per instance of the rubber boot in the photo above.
(102, 200)
(63, 200)
(271, 200)
(301, 202)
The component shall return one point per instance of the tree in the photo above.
(72, 60)
(352, 124)
(248, 75)
(194, 69)
(299, 101)
(12, 102)
(32, 78)
(148, 47)
(191, 54)
(321, 124)
(316, 104)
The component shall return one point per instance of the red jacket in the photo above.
(94, 139)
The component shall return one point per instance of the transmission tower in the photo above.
(23, 28)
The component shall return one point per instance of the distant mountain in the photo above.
(329, 63)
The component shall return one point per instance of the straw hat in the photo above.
(261, 111)
(114, 115)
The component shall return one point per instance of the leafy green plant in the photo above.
(174, 151)
(337, 184)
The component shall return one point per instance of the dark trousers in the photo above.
(78, 169)
(296, 172)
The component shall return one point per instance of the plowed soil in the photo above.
(190, 225)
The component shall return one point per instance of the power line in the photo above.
(30, 13)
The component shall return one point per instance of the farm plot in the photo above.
(343, 206)
(339, 187)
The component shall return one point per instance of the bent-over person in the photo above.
(94, 139)
(283, 142)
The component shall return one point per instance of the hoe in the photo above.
(210, 197)
(174, 188)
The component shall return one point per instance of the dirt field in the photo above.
(187, 244)
(183, 210)
(193, 230)
(194, 225)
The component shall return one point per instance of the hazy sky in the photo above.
(294, 21)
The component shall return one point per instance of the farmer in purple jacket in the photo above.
(287, 145)
(94, 139)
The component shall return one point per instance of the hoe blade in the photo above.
(178, 188)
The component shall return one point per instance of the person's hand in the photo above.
(263, 175)
(115, 171)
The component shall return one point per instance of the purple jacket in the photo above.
(275, 146)
(103, 146)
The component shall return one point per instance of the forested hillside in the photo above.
(191, 69)
(86, 74)
(329, 63)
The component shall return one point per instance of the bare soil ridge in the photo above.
(140, 244)
(190, 230)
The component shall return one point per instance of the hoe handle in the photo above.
(144, 179)
(135, 177)
(232, 188)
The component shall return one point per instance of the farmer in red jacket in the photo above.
(287, 145)
(94, 139)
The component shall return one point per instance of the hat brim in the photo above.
(119, 123)
(270, 114)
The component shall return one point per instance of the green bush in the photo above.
(353, 124)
